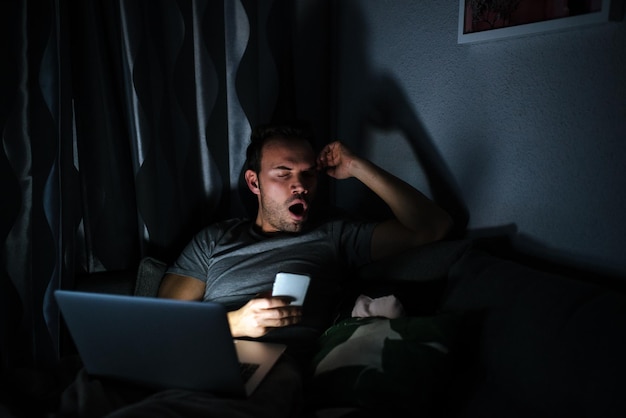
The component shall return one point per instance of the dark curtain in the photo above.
(124, 126)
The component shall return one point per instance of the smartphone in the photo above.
(291, 286)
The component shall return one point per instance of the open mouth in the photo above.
(297, 209)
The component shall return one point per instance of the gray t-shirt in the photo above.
(237, 262)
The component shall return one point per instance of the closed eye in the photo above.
(283, 173)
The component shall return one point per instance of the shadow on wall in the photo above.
(368, 99)
(377, 101)
(389, 110)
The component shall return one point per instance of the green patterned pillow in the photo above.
(376, 363)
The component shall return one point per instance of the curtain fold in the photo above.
(36, 123)
(123, 127)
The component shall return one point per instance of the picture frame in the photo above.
(487, 20)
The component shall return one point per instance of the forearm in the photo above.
(410, 207)
(418, 219)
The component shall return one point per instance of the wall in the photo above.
(529, 133)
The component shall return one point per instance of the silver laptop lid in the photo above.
(155, 342)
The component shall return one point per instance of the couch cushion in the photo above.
(423, 263)
(548, 345)
(149, 275)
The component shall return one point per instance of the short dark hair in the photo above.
(262, 133)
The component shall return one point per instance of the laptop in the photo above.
(164, 343)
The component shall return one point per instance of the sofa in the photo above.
(530, 338)
(485, 332)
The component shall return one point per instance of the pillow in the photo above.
(149, 275)
(422, 263)
(392, 364)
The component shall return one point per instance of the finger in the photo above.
(278, 301)
(282, 321)
(284, 317)
(284, 311)
(267, 302)
(280, 311)
(323, 160)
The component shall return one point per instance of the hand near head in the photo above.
(336, 159)
(417, 219)
(257, 317)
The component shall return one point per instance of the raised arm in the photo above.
(418, 220)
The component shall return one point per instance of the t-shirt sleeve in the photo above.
(356, 242)
(194, 260)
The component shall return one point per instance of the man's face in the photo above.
(285, 185)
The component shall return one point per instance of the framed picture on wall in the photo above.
(485, 20)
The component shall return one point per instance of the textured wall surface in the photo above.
(531, 129)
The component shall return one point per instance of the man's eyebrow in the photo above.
(281, 167)
(284, 167)
(312, 168)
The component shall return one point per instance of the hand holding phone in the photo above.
(291, 286)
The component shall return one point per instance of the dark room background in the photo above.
(124, 126)
(124, 123)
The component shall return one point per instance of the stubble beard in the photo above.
(271, 212)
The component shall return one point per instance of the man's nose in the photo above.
(298, 187)
(300, 184)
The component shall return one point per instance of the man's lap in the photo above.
(279, 395)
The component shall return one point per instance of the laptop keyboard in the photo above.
(246, 370)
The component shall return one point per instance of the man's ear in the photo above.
(252, 181)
